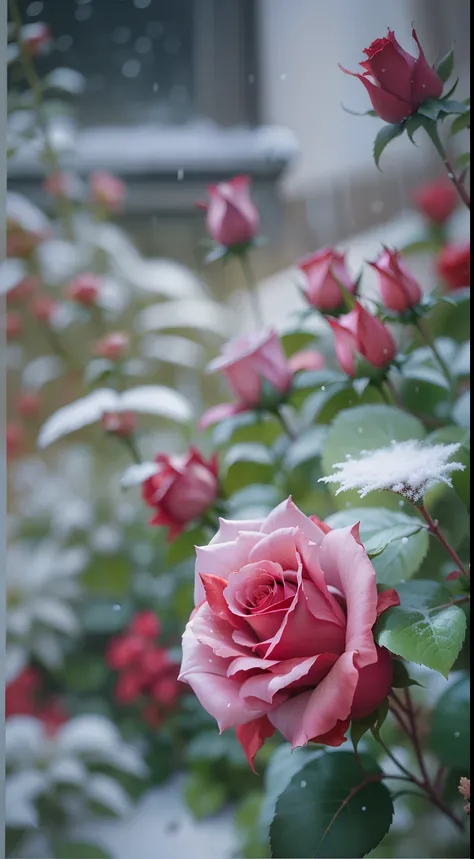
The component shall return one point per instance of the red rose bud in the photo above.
(43, 308)
(249, 362)
(182, 490)
(153, 662)
(166, 690)
(59, 185)
(28, 404)
(454, 265)
(119, 423)
(53, 716)
(145, 624)
(16, 441)
(436, 201)
(107, 191)
(398, 287)
(84, 289)
(123, 651)
(129, 687)
(20, 694)
(396, 82)
(20, 242)
(322, 271)
(113, 347)
(13, 326)
(232, 218)
(360, 333)
(306, 359)
(36, 38)
(23, 290)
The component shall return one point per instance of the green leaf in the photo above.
(451, 106)
(79, 850)
(421, 246)
(316, 378)
(97, 371)
(425, 628)
(444, 68)
(246, 463)
(450, 725)
(83, 672)
(254, 501)
(332, 808)
(367, 427)
(462, 410)
(357, 113)
(307, 447)
(373, 723)
(182, 547)
(283, 765)
(384, 136)
(412, 124)
(107, 575)
(250, 426)
(401, 677)
(461, 123)
(204, 797)
(431, 108)
(464, 160)
(396, 542)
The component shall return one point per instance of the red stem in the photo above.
(433, 528)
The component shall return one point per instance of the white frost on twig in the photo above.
(404, 467)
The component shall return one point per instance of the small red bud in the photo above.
(122, 424)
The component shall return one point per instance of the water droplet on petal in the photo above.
(229, 705)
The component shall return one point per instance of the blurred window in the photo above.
(152, 60)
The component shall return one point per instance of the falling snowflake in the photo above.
(404, 467)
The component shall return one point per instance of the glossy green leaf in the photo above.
(332, 808)
(283, 765)
(307, 447)
(425, 628)
(449, 736)
(373, 723)
(401, 677)
(396, 542)
(246, 463)
(461, 123)
(384, 136)
(462, 410)
(444, 68)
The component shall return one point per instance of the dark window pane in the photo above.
(136, 56)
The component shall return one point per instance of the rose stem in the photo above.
(425, 333)
(286, 424)
(252, 288)
(37, 91)
(433, 528)
(130, 443)
(432, 132)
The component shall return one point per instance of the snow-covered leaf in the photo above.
(58, 261)
(134, 475)
(56, 614)
(21, 789)
(23, 740)
(42, 370)
(67, 771)
(157, 400)
(81, 413)
(108, 793)
(90, 734)
(199, 315)
(173, 350)
(24, 212)
(12, 272)
(47, 649)
(67, 80)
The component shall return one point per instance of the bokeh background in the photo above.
(173, 95)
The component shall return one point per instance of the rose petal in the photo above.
(252, 736)
(288, 515)
(387, 599)
(221, 559)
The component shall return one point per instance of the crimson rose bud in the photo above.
(59, 185)
(145, 624)
(113, 347)
(28, 404)
(13, 326)
(84, 289)
(123, 651)
(360, 333)
(232, 218)
(43, 308)
(398, 287)
(396, 82)
(129, 687)
(323, 270)
(24, 289)
(107, 190)
(122, 424)
(36, 37)
(182, 489)
(454, 265)
(436, 201)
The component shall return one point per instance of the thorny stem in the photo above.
(425, 333)
(432, 132)
(252, 289)
(37, 92)
(433, 528)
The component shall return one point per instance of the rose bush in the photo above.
(281, 636)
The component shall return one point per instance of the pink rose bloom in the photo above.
(182, 489)
(245, 362)
(396, 82)
(107, 190)
(437, 200)
(306, 359)
(360, 333)
(232, 218)
(398, 287)
(282, 633)
(321, 270)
